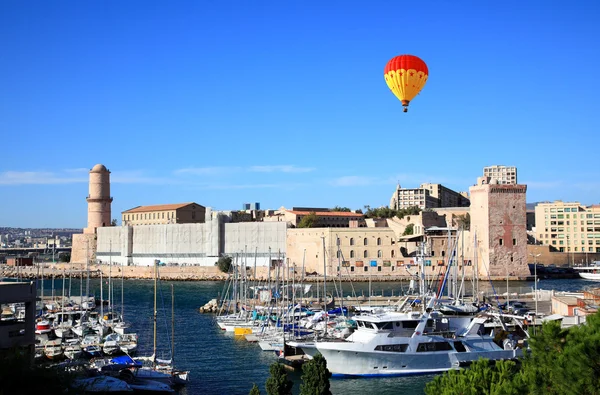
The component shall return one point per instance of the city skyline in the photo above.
(286, 104)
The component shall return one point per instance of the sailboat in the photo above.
(162, 370)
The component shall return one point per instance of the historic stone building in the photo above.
(99, 214)
(180, 213)
(499, 224)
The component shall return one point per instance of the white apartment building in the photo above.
(568, 226)
(503, 174)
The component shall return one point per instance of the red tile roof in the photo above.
(160, 207)
(328, 213)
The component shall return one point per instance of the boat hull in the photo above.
(369, 364)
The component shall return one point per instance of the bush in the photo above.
(224, 264)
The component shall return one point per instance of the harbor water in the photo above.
(222, 364)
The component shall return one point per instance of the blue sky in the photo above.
(284, 102)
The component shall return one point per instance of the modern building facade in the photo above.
(428, 196)
(499, 226)
(180, 213)
(502, 174)
(568, 226)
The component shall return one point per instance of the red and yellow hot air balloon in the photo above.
(405, 75)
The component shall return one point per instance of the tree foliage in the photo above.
(463, 221)
(409, 230)
(224, 264)
(315, 377)
(309, 221)
(386, 212)
(255, 390)
(342, 209)
(559, 362)
(278, 383)
(64, 258)
(113, 222)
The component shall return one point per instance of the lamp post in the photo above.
(535, 280)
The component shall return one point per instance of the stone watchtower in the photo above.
(99, 215)
(99, 199)
(499, 222)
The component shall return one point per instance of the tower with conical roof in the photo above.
(99, 199)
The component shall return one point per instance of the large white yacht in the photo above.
(394, 343)
(591, 272)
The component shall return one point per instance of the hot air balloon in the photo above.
(405, 75)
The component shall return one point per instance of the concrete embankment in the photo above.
(187, 273)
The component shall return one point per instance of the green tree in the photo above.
(482, 377)
(463, 221)
(224, 264)
(559, 362)
(309, 221)
(113, 222)
(278, 383)
(409, 230)
(342, 209)
(315, 377)
(255, 390)
(65, 258)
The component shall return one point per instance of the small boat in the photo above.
(91, 345)
(53, 349)
(73, 349)
(101, 384)
(111, 344)
(128, 343)
(42, 327)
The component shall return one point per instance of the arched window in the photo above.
(393, 253)
(379, 241)
(365, 254)
(352, 241)
(365, 241)
(379, 254)
(351, 253)
(443, 253)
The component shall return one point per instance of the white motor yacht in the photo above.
(394, 343)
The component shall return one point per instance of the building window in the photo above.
(379, 254)
(365, 241)
(379, 241)
(514, 242)
(163, 215)
(352, 241)
(378, 268)
(501, 242)
(366, 269)
(351, 253)
(365, 254)
(393, 253)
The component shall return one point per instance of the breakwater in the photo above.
(197, 273)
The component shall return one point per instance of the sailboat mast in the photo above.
(324, 282)
(87, 270)
(172, 324)
(122, 297)
(155, 312)
(110, 277)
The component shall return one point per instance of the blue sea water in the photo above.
(222, 364)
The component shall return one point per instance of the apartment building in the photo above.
(181, 213)
(503, 174)
(428, 196)
(568, 226)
